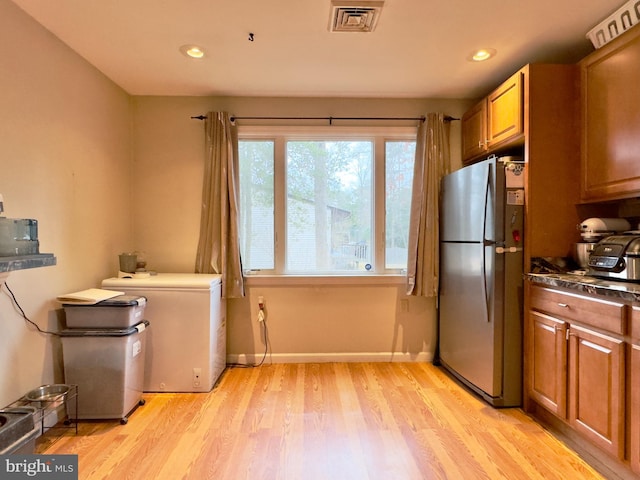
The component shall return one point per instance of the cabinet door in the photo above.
(610, 105)
(547, 354)
(505, 111)
(474, 132)
(596, 388)
(634, 386)
(634, 382)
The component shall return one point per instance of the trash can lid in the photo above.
(119, 301)
(105, 332)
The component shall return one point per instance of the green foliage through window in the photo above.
(329, 203)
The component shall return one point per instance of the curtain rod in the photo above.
(233, 118)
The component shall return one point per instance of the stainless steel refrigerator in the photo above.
(481, 267)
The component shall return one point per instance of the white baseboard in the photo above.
(421, 357)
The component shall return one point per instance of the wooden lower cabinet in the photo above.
(597, 388)
(634, 407)
(548, 368)
(578, 372)
(634, 390)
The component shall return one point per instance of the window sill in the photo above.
(256, 280)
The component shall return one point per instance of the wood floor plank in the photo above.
(329, 421)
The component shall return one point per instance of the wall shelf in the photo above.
(23, 262)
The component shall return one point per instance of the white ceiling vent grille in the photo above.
(354, 16)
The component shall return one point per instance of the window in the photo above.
(399, 160)
(256, 204)
(319, 201)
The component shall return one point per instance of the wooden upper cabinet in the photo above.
(474, 131)
(611, 120)
(505, 112)
(494, 122)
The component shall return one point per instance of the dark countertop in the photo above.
(588, 285)
(22, 262)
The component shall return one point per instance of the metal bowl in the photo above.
(582, 252)
(48, 395)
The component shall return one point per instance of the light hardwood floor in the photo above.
(338, 421)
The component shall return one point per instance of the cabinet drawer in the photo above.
(603, 314)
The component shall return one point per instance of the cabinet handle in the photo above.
(561, 329)
(563, 305)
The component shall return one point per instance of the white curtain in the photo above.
(219, 245)
(431, 164)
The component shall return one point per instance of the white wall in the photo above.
(306, 321)
(102, 176)
(65, 157)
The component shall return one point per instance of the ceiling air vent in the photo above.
(354, 16)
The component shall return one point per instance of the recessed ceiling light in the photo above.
(482, 54)
(192, 51)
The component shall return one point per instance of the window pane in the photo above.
(399, 160)
(256, 204)
(329, 199)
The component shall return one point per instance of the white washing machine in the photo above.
(187, 338)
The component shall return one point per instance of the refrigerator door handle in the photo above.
(486, 204)
(486, 243)
(485, 290)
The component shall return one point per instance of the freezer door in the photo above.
(470, 319)
(468, 204)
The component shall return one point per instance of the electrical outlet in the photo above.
(197, 373)
(261, 309)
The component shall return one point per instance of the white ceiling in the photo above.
(418, 49)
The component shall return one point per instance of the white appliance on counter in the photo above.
(595, 229)
(186, 348)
